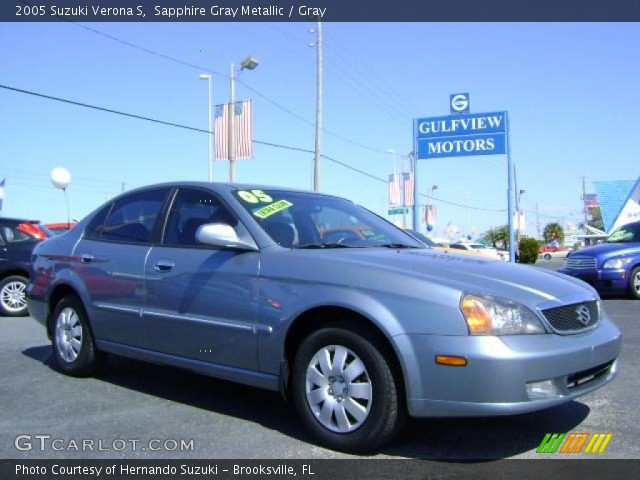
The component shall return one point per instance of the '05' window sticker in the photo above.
(254, 196)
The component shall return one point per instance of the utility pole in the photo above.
(584, 200)
(466, 201)
(316, 160)
(122, 187)
(231, 150)
(537, 221)
(515, 184)
(404, 195)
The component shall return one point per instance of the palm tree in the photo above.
(498, 237)
(553, 231)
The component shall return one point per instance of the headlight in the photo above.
(616, 263)
(486, 315)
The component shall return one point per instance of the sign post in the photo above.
(464, 134)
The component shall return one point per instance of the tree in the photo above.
(596, 218)
(498, 237)
(553, 231)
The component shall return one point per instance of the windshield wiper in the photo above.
(324, 245)
(396, 245)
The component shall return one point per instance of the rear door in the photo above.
(201, 301)
(111, 258)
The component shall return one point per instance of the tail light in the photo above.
(32, 230)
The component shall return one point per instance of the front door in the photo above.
(201, 301)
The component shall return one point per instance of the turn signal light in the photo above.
(451, 360)
(478, 319)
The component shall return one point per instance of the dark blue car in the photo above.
(613, 266)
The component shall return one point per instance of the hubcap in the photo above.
(13, 298)
(338, 389)
(636, 282)
(68, 334)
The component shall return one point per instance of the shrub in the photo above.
(528, 250)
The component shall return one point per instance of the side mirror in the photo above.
(221, 235)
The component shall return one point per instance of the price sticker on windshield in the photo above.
(273, 208)
(254, 196)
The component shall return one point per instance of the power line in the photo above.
(223, 75)
(200, 130)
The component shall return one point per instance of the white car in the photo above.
(482, 249)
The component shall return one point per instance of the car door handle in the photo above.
(86, 258)
(163, 266)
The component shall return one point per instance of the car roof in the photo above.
(18, 220)
(226, 186)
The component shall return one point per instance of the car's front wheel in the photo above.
(345, 390)
(547, 256)
(634, 283)
(13, 301)
(73, 346)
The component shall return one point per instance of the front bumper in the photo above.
(609, 280)
(494, 382)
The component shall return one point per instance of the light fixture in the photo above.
(249, 63)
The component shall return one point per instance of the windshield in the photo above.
(305, 220)
(626, 234)
(423, 238)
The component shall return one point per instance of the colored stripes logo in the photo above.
(574, 443)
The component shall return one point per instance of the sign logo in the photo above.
(584, 314)
(574, 443)
(459, 103)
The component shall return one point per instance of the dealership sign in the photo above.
(461, 135)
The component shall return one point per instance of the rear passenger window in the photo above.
(132, 218)
(94, 229)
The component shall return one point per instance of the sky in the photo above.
(571, 91)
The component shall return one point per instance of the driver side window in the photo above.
(191, 209)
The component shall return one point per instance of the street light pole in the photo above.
(207, 77)
(316, 160)
(231, 150)
(393, 160)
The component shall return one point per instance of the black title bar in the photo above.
(312, 10)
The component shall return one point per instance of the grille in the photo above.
(573, 318)
(581, 261)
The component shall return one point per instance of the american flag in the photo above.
(401, 186)
(408, 189)
(243, 129)
(395, 197)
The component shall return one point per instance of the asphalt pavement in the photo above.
(135, 401)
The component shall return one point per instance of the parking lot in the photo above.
(134, 401)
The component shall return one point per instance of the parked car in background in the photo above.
(17, 239)
(479, 248)
(236, 281)
(428, 242)
(554, 251)
(612, 266)
(58, 228)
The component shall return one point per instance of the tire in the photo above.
(364, 424)
(73, 346)
(12, 296)
(547, 256)
(634, 283)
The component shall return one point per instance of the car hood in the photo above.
(386, 269)
(609, 249)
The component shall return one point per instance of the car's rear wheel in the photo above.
(73, 345)
(345, 391)
(13, 300)
(634, 283)
(547, 256)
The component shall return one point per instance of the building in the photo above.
(619, 202)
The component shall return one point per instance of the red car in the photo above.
(58, 228)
